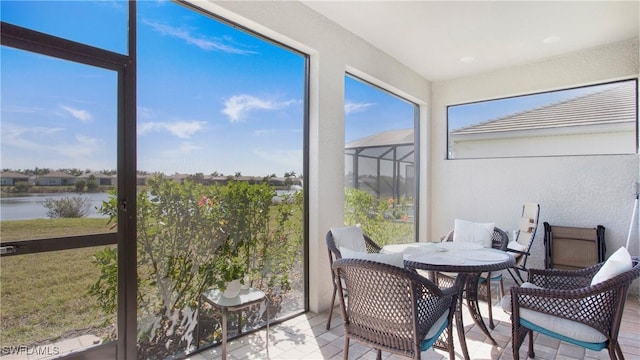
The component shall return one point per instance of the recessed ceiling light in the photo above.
(551, 40)
(467, 59)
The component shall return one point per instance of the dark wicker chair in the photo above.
(334, 253)
(527, 227)
(499, 240)
(394, 309)
(567, 294)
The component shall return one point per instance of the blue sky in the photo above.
(210, 98)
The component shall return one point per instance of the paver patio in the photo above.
(305, 338)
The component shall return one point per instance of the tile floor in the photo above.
(305, 338)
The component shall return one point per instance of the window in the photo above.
(380, 162)
(221, 124)
(220, 115)
(60, 149)
(592, 120)
(101, 24)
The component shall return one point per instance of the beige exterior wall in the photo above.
(545, 143)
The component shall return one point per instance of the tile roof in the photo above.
(385, 138)
(11, 174)
(609, 106)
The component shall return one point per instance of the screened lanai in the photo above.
(382, 164)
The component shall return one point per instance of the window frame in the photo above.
(448, 143)
(416, 145)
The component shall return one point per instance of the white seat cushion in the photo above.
(558, 325)
(349, 237)
(616, 264)
(568, 328)
(514, 245)
(389, 259)
(477, 233)
(433, 331)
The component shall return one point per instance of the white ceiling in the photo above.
(448, 39)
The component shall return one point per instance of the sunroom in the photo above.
(430, 56)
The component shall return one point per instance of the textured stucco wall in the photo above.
(572, 190)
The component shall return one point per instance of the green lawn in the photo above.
(43, 296)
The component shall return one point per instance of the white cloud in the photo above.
(180, 129)
(145, 113)
(189, 147)
(50, 147)
(27, 138)
(82, 115)
(86, 141)
(199, 41)
(264, 132)
(83, 148)
(21, 109)
(288, 158)
(352, 107)
(178, 152)
(237, 106)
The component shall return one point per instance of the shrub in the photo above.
(21, 186)
(92, 183)
(80, 185)
(185, 234)
(68, 207)
(383, 220)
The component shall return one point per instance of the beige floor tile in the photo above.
(305, 338)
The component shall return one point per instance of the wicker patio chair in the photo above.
(394, 309)
(577, 309)
(520, 247)
(334, 253)
(499, 240)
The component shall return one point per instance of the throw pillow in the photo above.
(616, 264)
(478, 233)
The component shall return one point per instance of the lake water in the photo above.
(30, 206)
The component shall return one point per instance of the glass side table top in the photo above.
(247, 296)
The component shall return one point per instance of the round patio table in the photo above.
(468, 261)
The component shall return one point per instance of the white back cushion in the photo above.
(478, 233)
(349, 237)
(616, 264)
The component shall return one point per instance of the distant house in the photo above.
(179, 178)
(597, 123)
(382, 164)
(218, 180)
(101, 178)
(142, 179)
(9, 178)
(284, 181)
(277, 181)
(57, 178)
